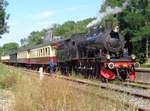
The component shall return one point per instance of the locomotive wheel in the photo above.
(97, 69)
(104, 80)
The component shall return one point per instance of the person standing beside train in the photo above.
(52, 66)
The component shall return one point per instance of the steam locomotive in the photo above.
(100, 53)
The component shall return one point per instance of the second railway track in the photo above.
(135, 84)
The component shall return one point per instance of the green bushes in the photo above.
(8, 78)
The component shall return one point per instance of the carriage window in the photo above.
(41, 52)
(46, 51)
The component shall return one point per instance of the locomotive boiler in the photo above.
(100, 53)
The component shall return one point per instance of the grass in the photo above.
(81, 76)
(145, 65)
(51, 94)
(7, 77)
(59, 95)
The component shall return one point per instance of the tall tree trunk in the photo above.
(147, 48)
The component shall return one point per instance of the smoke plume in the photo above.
(109, 11)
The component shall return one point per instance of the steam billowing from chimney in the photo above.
(109, 11)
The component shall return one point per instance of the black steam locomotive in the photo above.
(101, 53)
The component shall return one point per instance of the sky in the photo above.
(34, 15)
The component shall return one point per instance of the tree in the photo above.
(65, 29)
(10, 47)
(134, 20)
(144, 33)
(1, 51)
(81, 26)
(3, 16)
(71, 27)
(35, 38)
(112, 3)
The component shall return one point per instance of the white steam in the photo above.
(109, 11)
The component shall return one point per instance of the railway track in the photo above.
(138, 82)
(134, 92)
(114, 87)
(134, 89)
(143, 70)
(135, 84)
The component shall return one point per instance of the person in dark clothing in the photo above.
(52, 66)
(114, 33)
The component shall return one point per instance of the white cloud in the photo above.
(77, 8)
(42, 15)
(45, 23)
(45, 14)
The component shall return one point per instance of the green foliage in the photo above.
(10, 47)
(65, 29)
(143, 33)
(36, 38)
(71, 27)
(1, 51)
(139, 51)
(3, 16)
(7, 77)
(140, 59)
(147, 14)
(134, 20)
(145, 66)
(112, 3)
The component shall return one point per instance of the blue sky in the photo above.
(32, 15)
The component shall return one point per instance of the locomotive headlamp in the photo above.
(111, 65)
(133, 57)
(108, 56)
